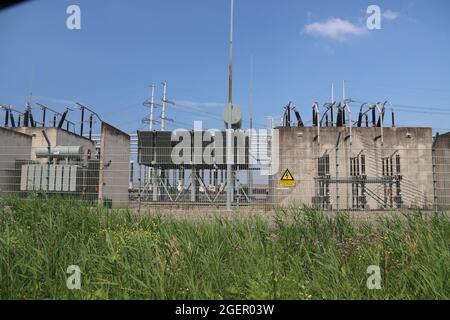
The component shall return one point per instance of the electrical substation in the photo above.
(349, 155)
(343, 161)
(52, 157)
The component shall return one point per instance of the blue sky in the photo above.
(299, 48)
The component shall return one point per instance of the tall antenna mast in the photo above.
(230, 109)
(250, 138)
(230, 67)
(250, 105)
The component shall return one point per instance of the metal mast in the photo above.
(230, 109)
(250, 102)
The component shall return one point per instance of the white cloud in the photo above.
(335, 28)
(391, 15)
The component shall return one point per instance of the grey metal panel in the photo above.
(61, 178)
(23, 178)
(146, 150)
(155, 149)
(44, 180)
(30, 178)
(37, 176)
(58, 182)
(154, 146)
(66, 176)
(73, 178)
(51, 180)
(163, 145)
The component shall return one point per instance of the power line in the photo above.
(415, 109)
(384, 85)
(198, 110)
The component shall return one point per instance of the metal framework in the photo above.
(390, 181)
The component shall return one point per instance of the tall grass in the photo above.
(304, 254)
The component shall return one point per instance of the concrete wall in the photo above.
(13, 146)
(442, 161)
(57, 137)
(114, 166)
(299, 151)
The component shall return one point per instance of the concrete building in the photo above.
(87, 171)
(14, 146)
(354, 168)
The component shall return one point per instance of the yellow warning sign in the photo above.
(287, 180)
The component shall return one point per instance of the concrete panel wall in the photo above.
(13, 146)
(114, 166)
(299, 150)
(442, 161)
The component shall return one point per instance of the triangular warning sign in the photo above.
(287, 176)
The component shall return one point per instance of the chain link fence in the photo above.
(367, 179)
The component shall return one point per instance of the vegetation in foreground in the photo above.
(305, 254)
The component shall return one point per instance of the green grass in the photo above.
(304, 254)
